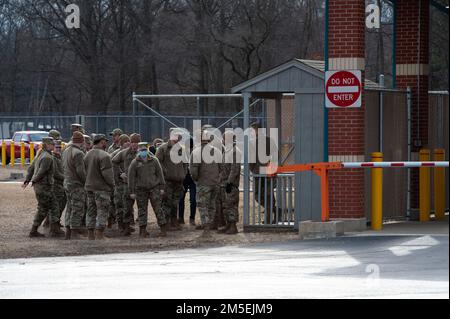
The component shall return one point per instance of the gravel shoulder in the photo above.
(17, 209)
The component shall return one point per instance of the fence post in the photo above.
(439, 185)
(3, 154)
(31, 153)
(424, 187)
(12, 154)
(377, 193)
(22, 154)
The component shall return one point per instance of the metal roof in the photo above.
(316, 68)
(320, 65)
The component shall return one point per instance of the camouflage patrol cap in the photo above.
(207, 127)
(123, 139)
(76, 127)
(158, 141)
(87, 139)
(256, 125)
(99, 137)
(135, 138)
(55, 134)
(116, 132)
(48, 141)
(143, 146)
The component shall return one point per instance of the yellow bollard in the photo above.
(12, 154)
(31, 153)
(22, 154)
(3, 154)
(439, 186)
(424, 187)
(377, 193)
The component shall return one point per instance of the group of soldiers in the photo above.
(98, 186)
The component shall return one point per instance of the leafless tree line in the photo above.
(153, 46)
(147, 46)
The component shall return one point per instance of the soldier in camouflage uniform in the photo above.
(174, 174)
(87, 143)
(42, 181)
(56, 135)
(121, 186)
(58, 186)
(123, 160)
(59, 178)
(99, 187)
(74, 180)
(113, 218)
(157, 142)
(146, 182)
(116, 134)
(230, 173)
(206, 176)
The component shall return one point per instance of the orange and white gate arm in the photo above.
(322, 169)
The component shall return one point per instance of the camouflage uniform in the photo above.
(119, 190)
(43, 179)
(174, 174)
(114, 147)
(207, 179)
(123, 160)
(114, 214)
(146, 180)
(230, 174)
(99, 186)
(74, 179)
(98, 208)
(58, 186)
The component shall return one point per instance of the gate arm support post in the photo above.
(322, 170)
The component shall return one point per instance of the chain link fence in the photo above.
(149, 126)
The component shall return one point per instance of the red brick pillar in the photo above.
(346, 126)
(412, 70)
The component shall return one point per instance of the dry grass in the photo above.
(17, 208)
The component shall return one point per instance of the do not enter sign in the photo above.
(343, 89)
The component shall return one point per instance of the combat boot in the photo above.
(223, 230)
(99, 234)
(175, 226)
(120, 226)
(82, 231)
(162, 231)
(34, 233)
(206, 234)
(143, 233)
(232, 230)
(126, 230)
(68, 233)
(110, 222)
(55, 231)
(192, 222)
(199, 227)
(91, 234)
(75, 234)
(214, 225)
(181, 221)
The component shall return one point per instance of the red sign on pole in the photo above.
(343, 89)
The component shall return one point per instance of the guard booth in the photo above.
(296, 197)
(294, 95)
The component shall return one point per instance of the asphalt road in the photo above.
(358, 267)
